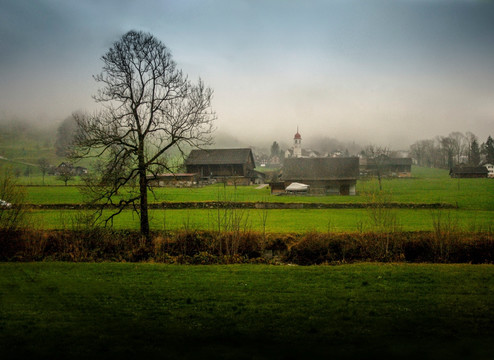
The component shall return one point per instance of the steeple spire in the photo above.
(297, 144)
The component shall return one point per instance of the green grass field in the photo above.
(474, 198)
(427, 186)
(120, 310)
(277, 221)
(67, 310)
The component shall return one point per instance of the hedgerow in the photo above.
(209, 247)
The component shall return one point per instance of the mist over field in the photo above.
(387, 73)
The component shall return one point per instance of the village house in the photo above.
(234, 166)
(68, 168)
(490, 170)
(323, 175)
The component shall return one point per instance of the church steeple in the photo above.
(297, 145)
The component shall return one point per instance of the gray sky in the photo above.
(381, 72)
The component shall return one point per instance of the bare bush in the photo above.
(382, 218)
(12, 211)
(446, 233)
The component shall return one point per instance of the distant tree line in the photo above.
(456, 148)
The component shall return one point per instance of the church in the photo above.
(296, 151)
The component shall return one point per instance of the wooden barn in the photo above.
(323, 175)
(388, 166)
(231, 165)
(462, 171)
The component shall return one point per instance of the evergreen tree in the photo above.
(488, 150)
(275, 149)
(474, 153)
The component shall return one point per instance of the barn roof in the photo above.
(461, 169)
(321, 168)
(387, 161)
(220, 157)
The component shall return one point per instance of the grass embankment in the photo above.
(114, 310)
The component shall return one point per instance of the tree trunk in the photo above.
(143, 189)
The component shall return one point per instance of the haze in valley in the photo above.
(382, 72)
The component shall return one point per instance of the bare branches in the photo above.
(149, 107)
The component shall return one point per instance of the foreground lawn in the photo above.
(276, 221)
(141, 310)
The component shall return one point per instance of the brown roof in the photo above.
(320, 168)
(219, 157)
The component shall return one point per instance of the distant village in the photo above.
(299, 171)
(296, 170)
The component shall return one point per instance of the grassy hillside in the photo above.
(265, 312)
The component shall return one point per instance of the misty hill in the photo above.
(23, 143)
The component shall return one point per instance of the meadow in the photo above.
(69, 310)
(472, 198)
(144, 309)
(425, 187)
(275, 221)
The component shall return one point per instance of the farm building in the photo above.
(231, 165)
(68, 168)
(323, 175)
(490, 170)
(462, 171)
(180, 180)
(399, 167)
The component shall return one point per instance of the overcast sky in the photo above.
(381, 72)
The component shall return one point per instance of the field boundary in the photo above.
(204, 247)
(246, 205)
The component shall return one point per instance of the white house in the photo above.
(490, 170)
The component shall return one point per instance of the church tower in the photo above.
(297, 145)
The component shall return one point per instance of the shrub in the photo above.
(312, 249)
(204, 247)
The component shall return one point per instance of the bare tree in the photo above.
(459, 145)
(149, 108)
(380, 157)
(65, 174)
(44, 166)
(448, 150)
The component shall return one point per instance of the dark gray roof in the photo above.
(219, 157)
(320, 168)
(461, 169)
(386, 161)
